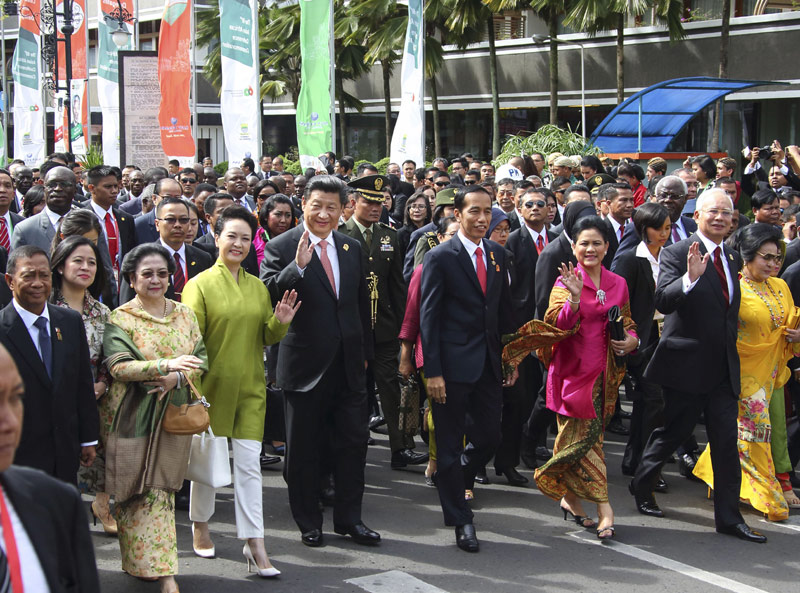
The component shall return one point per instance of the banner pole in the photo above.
(192, 34)
(332, 50)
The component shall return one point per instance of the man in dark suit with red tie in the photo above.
(46, 543)
(49, 346)
(321, 361)
(465, 308)
(696, 361)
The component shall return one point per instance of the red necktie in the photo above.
(326, 263)
(178, 279)
(12, 570)
(480, 269)
(4, 234)
(111, 235)
(539, 244)
(621, 232)
(721, 273)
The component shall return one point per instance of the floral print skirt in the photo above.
(147, 539)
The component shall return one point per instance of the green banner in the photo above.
(314, 130)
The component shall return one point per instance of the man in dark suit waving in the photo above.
(465, 308)
(321, 361)
(47, 518)
(48, 344)
(699, 293)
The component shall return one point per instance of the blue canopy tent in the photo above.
(650, 119)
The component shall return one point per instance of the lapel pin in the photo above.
(192, 263)
(58, 334)
(497, 267)
(346, 247)
(730, 255)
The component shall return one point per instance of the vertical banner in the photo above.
(313, 119)
(408, 137)
(240, 105)
(174, 78)
(78, 111)
(108, 75)
(29, 142)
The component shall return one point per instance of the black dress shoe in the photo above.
(266, 460)
(661, 485)
(512, 475)
(466, 538)
(481, 477)
(529, 460)
(360, 533)
(313, 538)
(646, 505)
(376, 421)
(686, 463)
(406, 457)
(625, 415)
(617, 427)
(543, 453)
(742, 531)
(370, 441)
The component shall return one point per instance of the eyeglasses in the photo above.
(442, 183)
(771, 258)
(450, 234)
(417, 207)
(471, 182)
(505, 192)
(171, 221)
(503, 231)
(538, 203)
(714, 212)
(668, 195)
(149, 274)
(188, 180)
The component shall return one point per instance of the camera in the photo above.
(766, 152)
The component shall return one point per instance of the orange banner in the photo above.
(174, 77)
(79, 112)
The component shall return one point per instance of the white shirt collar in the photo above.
(643, 252)
(469, 245)
(9, 224)
(181, 252)
(614, 224)
(314, 239)
(52, 216)
(101, 214)
(535, 235)
(29, 318)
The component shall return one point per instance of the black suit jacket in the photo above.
(55, 521)
(550, 259)
(206, 243)
(697, 350)
(642, 293)
(60, 413)
(5, 291)
(146, 228)
(197, 261)
(323, 324)
(630, 238)
(460, 325)
(792, 256)
(523, 288)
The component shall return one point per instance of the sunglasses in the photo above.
(537, 203)
(441, 183)
(467, 182)
(188, 180)
(172, 221)
(771, 258)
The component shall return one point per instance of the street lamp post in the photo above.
(541, 40)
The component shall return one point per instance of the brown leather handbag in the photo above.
(190, 418)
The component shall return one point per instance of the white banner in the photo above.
(29, 142)
(108, 75)
(408, 137)
(240, 105)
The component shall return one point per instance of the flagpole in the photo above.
(192, 34)
(5, 88)
(333, 81)
(422, 86)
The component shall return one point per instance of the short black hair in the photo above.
(558, 181)
(363, 167)
(257, 189)
(23, 252)
(60, 255)
(269, 205)
(588, 223)
(249, 163)
(169, 200)
(76, 222)
(201, 187)
(630, 170)
(326, 184)
(444, 222)
(95, 174)
(235, 212)
(210, 205)
(33, 197)
(577, 187)
(650, 215)
(138, 253)
(153, 174)
(409, 161)
(463, 192)
(721, 180)
(174, 162)
(593, 162)
(187, 171)
(750, 239)
(521, 184)
(347, 163)
(706, 164)
(762, 198)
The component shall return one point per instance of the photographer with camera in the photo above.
(754, 177)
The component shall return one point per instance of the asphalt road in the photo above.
(525, 544)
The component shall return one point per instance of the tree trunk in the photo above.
(342, 148)
(719, 111)
(387, 104)
(620, 60)
(495, 92)
(437, 141)
(553, 32)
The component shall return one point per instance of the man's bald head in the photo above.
(59, 189)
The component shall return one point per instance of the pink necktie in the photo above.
(480, 269)
(326, 263)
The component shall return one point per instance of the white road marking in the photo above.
(792, 523)
(674, 565)
(393, 581)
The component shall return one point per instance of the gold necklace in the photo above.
(776, 320)
(141, 306)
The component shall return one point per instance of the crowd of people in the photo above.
(474, 306)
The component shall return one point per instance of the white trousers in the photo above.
(247, 492)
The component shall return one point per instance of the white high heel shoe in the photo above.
(203, 552)
(262, 572)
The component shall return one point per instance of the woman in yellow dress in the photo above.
(765, 345)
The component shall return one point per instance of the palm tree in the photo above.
(719, 112)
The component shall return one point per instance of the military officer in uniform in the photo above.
(383, 265)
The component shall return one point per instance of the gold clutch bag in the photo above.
(792, 318)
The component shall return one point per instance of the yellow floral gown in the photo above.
(763, 352)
